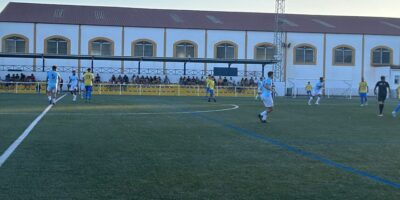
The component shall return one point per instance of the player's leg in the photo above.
(211, 94)
(318, 98)
(90, 92)
(396, 110)
(361, 99)
(54, 95)
(74, 91)
(48, 91)
(381, 102)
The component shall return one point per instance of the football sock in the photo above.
(49, 97)
(263, 113)
(397, 108)
(309, 101)
(381, 108)
(319, 98)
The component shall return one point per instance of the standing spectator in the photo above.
(97, 79)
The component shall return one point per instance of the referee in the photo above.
(383, 90)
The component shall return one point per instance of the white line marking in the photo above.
(234, 107)
(21, 138)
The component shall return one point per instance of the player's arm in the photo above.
(376, 86)
(388, 88)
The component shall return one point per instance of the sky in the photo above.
(378, 8)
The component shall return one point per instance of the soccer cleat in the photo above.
(394, 114)
(309, 103)
(215, 100)
(209, 100)
(264, 121)
(260, 117)
(362, 105)
(366, 104)
(380, 115)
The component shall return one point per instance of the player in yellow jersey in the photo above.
(88, 78)
(211, 88)
(309, 89)
(207, 83)
(397, 109)
(363, 90)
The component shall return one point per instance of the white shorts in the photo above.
(52, 88)
(268, 102)
(316, 93)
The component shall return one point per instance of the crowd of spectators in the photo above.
(136, 79)
(19, 78)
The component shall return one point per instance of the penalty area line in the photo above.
(16, 143)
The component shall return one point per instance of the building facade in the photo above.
(340, 49)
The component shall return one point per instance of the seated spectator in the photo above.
(126, 79)
(33, 78)
(251, 82)
(113, 79)
(97, 78)
(133, 78)
(166, 80)
(225, 81)
(119, 79)
(219, 83)
(8, 77)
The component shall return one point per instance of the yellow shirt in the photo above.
(88, 79)
(211, 84)
(207, 81)
(308, 87)
(363, 87)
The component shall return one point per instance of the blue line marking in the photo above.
(303, 153)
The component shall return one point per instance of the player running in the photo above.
(266, 97)
(53, 78)
(309, 89)
(397, 109)
(73, 82)
(211, 87)
(317, 91)
(259, 87)
(383, 90)
(363, 90)
(88, 80)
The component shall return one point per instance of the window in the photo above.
(226, 50)
(144, 48)
(101, 47)
(343, 55)
(185, 49)
(381, 56)
(57, 45)
(305, 54)
(264, 51)
(15, 44)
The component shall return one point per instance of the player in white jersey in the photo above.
(259, 87)
(266, 97)
(53, 78)
(73, 82)
(317, 91)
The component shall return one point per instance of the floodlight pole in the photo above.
(278, 39)
(43, 63)
(184, 68)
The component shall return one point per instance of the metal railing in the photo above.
(134, 89)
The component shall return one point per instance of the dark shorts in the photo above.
(382, 97)
(88, 88)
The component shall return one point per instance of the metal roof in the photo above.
(189, 19)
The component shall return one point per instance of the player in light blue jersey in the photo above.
(259, 87)
(266, 97)
(73, 82)
(317, 91)
(53, 78)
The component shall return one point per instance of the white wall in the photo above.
(25, 29)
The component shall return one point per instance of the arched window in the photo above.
(101, 47)
(185, 49)
(226, 50)
(15, 44)
(144, 48)
(305, 55)
(343, 55)
(264, 51)
(381, 56)
(57, 45)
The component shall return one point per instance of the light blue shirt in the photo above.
(267, 93)
(74, 80)
(319, 86)
(52, 78)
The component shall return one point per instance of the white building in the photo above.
(341, 49)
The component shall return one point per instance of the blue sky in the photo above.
(382, 8)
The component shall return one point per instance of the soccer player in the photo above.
(207, 85)
(383, 88)
(53, 78)
(211, 87)
(309, 89)
(317, 91)
(397, 109)
(73, 82)
(266, 97)
(88, 80)
(363, 90)
(259, 87)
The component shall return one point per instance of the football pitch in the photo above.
(151, 147)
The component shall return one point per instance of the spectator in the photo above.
(126, 79)
(97, 78)
(113, 80)
(166, 80)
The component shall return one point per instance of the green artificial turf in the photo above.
(138, 147)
